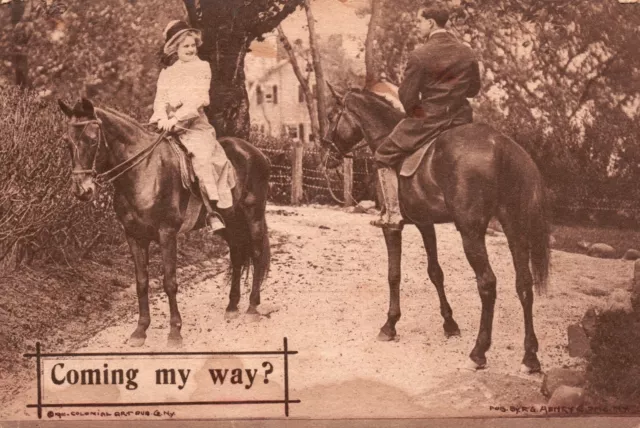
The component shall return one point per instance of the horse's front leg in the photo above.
(393, 239)
(169, 244)
(140, 251)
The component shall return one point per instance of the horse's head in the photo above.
(83, 139)
(343, 132)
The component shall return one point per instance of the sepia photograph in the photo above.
(353, 212)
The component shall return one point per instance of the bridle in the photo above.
(349, 154)
(108, 176)
(331, 141)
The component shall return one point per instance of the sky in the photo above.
(332, 17)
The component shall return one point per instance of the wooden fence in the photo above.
(298, 177)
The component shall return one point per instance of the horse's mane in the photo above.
(126, 118)
(392, 110)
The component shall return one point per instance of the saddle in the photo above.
(414, 160)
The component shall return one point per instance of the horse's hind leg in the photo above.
(237, 256)
(140, 252)
(524, 288)
(169, 244)
(437, 277)
(476, 252)
(260, 257)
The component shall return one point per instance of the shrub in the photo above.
(39, 218)
(614, 366)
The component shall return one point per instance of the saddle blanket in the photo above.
(194, 206)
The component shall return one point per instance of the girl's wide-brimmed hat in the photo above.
(172, 33)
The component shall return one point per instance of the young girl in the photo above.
(182, 93)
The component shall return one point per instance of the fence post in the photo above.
(347, 169)
(296, 173)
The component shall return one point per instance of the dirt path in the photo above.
(327, 293)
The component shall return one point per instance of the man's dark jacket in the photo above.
(440, 76)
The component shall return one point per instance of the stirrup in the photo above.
(215, 222)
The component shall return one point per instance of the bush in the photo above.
(39, 218)
(591, 174)
(614, 366)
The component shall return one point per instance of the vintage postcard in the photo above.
(329, 212)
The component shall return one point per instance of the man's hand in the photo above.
(167, 124)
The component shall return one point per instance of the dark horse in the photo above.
(470, 174)
(151, 202)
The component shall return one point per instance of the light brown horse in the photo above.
(150, 202)
(470, 174)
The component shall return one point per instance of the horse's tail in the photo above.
(524, 197)
(253, 178)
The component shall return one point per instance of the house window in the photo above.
(259, 95)
(275, 94)
(301, 96)
(301, 131)
(292, 131)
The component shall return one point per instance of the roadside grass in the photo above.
(61, 305)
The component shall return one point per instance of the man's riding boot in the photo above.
(391, 219)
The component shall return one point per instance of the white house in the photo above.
(276, 101)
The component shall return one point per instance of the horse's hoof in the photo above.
(253, 315)
(384, 336)
(136, 341)
(524, 369)
(473, 366)
(231, 315)
(174, 342)
(451, 329)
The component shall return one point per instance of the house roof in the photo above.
(264, 49)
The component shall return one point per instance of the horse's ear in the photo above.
(335, 93)
(87, 107)
(65, 108)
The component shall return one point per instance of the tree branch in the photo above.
(584, 97)
(304, 83)
(272, 22)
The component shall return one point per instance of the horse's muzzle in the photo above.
(333, 161)
(84, 189)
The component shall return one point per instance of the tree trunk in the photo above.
(373, 74)
(22, 30)
(304, 83)
(229, 27)
(317, 67)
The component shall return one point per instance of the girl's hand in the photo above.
(167, 124)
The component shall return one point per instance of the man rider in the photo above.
(439, 77)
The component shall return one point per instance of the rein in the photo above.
(127, 164)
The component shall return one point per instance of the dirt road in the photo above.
(327, 293)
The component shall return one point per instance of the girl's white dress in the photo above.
(183, 92)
